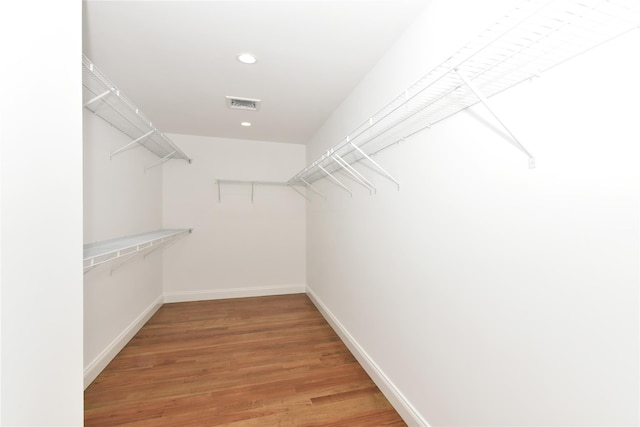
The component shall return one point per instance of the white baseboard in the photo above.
(408, 413)
(233, 293)
(103, 359)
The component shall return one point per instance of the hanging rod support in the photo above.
(380, 168)
(336, 180)
(312, 188)
(161, 161)
(354, 173)
(135, 141)
(485, 102)
(98, 97)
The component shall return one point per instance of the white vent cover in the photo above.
(243, 103)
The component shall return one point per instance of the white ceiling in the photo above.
(176, 60)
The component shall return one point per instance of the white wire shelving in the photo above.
(101, 97)
(533, 38)
(127, 248)
(254, 184)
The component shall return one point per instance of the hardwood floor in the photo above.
(267, 361)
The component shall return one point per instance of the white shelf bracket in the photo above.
(132, 256)
(143, 249)
(312, 188)
(299, 192)
(161, 161)
(98, 97)
(169, 241)
(135, 141)
(373, 162)
(219, 194)
(485, 102)
(163, 244)
(336, 180)
(93, 263)
(354, 173)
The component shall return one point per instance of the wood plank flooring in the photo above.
(266, 361)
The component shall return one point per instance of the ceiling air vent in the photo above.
(243, 103)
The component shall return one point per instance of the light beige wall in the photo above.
(485, 292)
(238, 248)
(120, 199)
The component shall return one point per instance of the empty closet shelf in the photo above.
(533, 38)
(109, 250)
(102, 98)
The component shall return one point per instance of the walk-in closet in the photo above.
(306, 212)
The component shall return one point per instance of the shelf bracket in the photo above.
(485, 102)
(312, 188)
(163, 244)
(98, 97)
(131, 256)
(93, 264)
(336, 180)
(126, 147)
(380, 168)
(161, 161)
(300, 192)
(88, 268)
(166, 243)
(144, 249)
(354, 173)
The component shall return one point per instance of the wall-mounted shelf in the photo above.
(106, 251)
(101, 97)
(530, 40)
(254, 184)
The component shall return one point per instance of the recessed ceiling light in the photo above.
(245, 124)
(247, 58)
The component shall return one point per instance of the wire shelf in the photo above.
(101, 97)
(533, 38)
(253, 184)
(95, 254)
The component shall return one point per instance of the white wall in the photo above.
(120, 199)
(237, 248)
(488, 293)
(41, 228)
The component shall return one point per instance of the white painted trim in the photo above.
(103, 359)
(233, 293)
(406, 410)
